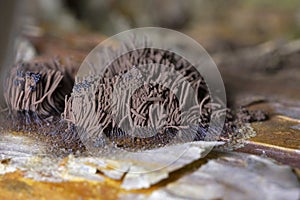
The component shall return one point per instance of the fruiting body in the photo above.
(37, 89)
(40, 91)
(95, 100)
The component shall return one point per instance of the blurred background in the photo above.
(218, 25)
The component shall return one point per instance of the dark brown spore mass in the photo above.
(37, 93)
(143, 99)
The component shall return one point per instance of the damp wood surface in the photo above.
(276, 144)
